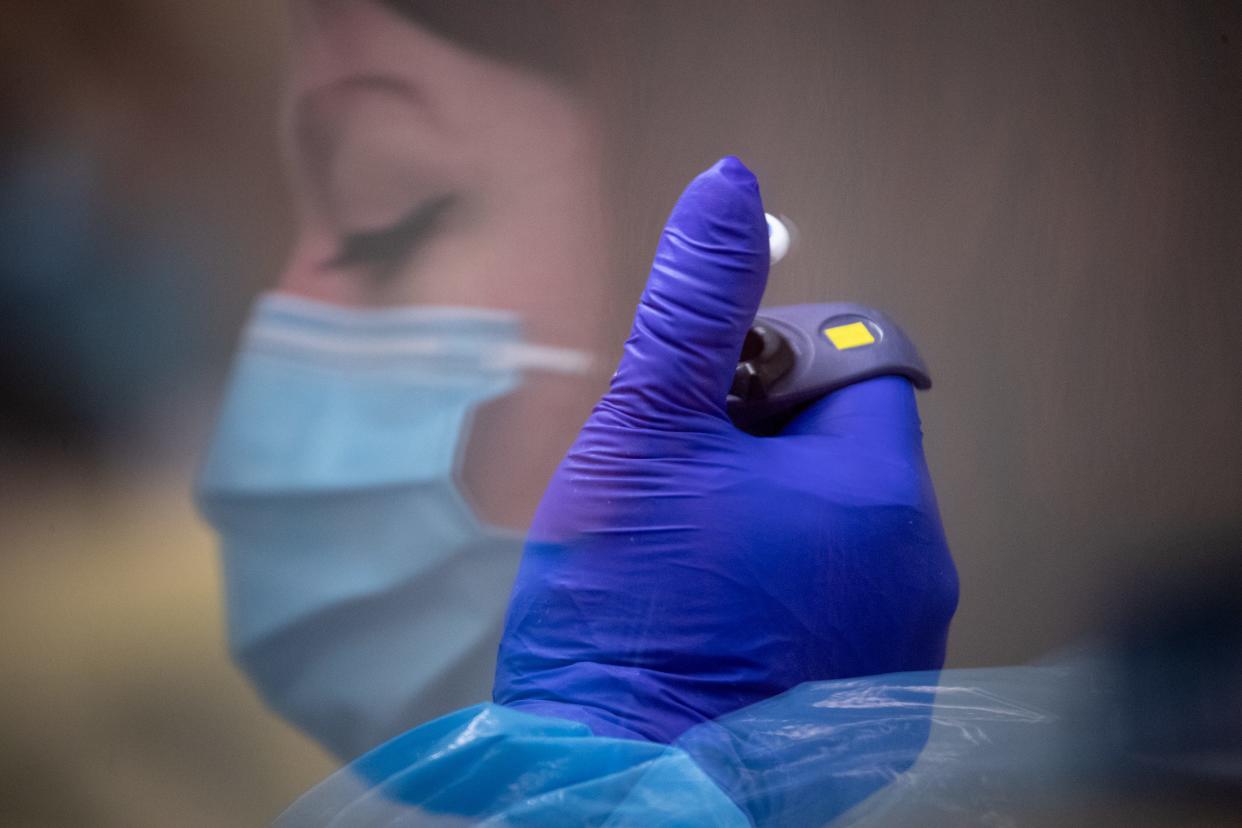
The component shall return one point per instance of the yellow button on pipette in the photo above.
(853, 335)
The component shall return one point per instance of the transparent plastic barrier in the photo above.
(964, 747)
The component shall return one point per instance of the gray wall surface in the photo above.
(1047, 197)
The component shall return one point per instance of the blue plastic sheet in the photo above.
(964, 747)
(490, 765)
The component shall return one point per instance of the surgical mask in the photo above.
(364, 594)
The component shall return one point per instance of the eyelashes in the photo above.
(386, 249)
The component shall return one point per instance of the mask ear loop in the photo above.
(523, 357)
(519, 356)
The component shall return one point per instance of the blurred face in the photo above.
(426, 174)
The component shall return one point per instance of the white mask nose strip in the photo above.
(488, 338)
(290, 307)
(498, 356)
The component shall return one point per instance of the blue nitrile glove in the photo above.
(679, 568)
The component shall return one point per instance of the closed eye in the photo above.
(387, 248)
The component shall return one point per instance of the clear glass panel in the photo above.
(308, 309)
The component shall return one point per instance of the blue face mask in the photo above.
(364, 595)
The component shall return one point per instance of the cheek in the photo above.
(515, 444)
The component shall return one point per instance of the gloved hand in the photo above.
(679, 568)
